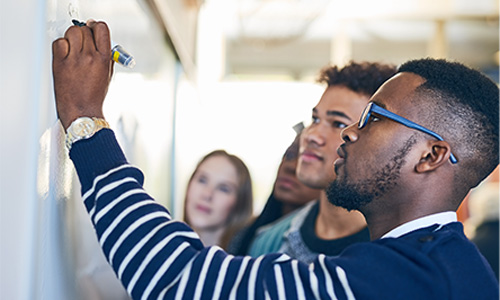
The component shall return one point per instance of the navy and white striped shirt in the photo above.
(156, 257)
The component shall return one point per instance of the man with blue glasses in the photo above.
(406, 177)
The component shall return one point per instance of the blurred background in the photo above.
(210, 74)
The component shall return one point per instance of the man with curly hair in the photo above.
(428, 135)
(320, 227)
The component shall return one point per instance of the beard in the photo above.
(354, 196)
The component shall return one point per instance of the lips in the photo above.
(339, 161)
(308, 155)
(341, 151)
(286, 182)
(203, 209)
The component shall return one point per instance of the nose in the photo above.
(314, 135)
(350, 133)
(207, 193)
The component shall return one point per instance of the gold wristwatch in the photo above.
(83, 128)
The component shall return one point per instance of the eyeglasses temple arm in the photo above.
(410, 124)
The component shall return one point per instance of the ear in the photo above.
(437, 154)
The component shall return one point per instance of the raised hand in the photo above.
(82, 69)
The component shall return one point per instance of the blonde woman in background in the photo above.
(218, 198)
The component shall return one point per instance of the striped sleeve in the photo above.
(156, 257)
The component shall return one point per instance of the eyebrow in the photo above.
(335, 113)
(379, 104)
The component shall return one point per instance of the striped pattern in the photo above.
(156, 257)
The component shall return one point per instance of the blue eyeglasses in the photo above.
(372, 107)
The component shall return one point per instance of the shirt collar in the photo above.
(442, 218)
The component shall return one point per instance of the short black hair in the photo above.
(463, 106)
(360, 77)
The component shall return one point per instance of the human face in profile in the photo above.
(375, 158)
(287, 188)
(338, 107)
(211, 194)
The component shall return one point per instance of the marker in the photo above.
(118, 54)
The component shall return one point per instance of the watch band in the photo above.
(101, 123)
(83, 128)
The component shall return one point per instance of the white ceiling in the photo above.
(296, 38)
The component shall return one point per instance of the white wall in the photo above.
(48, 249)
(24, 107)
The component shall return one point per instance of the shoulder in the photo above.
(301, 215)
(270, 237)
(441, 258)
(280, 226)
(435, 245)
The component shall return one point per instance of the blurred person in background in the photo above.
(287, 195)
(218, 198)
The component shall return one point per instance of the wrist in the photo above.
(68, 117)
(83, 128)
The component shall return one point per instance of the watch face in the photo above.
(82, 127)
